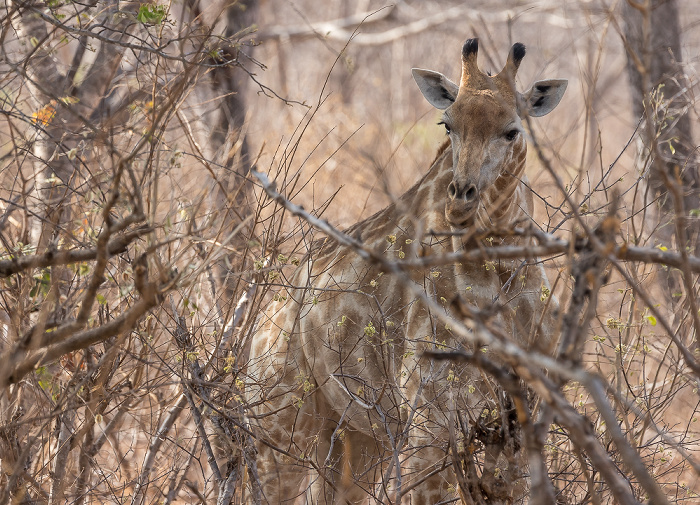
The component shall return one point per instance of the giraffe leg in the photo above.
(348, 468)
(359, 468)
(284, 417)
(432, 489)
(294, 442)
(426, 478)
(281, 480)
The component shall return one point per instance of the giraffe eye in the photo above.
(447, 128)
(512, 134)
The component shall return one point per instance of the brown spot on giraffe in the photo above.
(338, 363)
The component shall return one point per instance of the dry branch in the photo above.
(343, 30)
(326, 28)
(20, 364)
(155, 447)
(51, 258)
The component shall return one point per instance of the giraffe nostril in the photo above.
(452, 190)
(470, 194)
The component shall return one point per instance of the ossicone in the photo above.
(515, 56)
(470, 47)
(471, 75)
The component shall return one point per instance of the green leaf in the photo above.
(44, 378)
(101, 299)
(150, 14)
(42, 283)
(652, 320)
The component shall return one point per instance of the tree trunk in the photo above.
(659, 90)
(233, 194)
(660, 97)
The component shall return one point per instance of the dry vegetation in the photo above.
(137, 250)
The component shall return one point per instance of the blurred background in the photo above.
(373, 108)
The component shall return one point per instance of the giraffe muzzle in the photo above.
(461, 204)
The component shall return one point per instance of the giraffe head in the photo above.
(483, 121)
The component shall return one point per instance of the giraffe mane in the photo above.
(440, 151)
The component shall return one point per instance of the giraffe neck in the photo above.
(507, 201)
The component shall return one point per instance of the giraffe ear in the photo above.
(544, 96)
(436, 88)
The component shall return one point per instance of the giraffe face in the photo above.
(487, 143)
(483, 121)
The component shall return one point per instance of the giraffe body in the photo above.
(337, 379)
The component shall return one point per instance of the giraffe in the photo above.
(346, 408)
